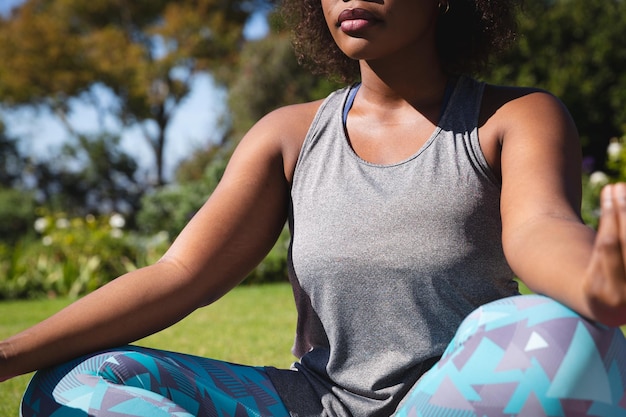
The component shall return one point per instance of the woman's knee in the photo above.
(534, 331)
(131, 368)
(528, 353)
(73, 382)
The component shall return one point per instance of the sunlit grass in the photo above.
(252, 325)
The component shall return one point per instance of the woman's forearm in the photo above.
(551, 256)
(564, 259)
(129, 308)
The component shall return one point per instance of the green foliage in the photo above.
(170, 208)
(206, 165)
(268, 77)
(17, 213)
(73, 256)
(593, 182)
(616, 158)
(91, 174)
(575, 49)
(590, 207)
(11, 162)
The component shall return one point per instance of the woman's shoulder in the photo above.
(293, 115)
(496, 96)
(528, 116)
(296, 117)
(507, 99)
(285, 129)
(510, 107)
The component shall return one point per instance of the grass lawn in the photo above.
(251, 325)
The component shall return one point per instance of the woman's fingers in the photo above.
(618, 194)
(606, 283)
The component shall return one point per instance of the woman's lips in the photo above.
(355, 20)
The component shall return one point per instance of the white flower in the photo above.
(162, 236)
(46, 240)
(62, 223)
(614, 149)
(116, 233)
(90, 218)
(117, 221)
(598, 179)
(158, 238)
(41, 224)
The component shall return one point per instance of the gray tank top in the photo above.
(387, 260)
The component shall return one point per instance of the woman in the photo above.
(413, 197)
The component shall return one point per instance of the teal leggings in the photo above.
(525, 356)
(520, 356)
(136, 381)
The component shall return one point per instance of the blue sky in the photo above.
(194, 125)
(6, 5)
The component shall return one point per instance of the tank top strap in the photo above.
(355, 88)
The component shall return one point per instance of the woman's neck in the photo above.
(391, 82)
(389, 87)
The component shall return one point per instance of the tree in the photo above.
(269, 76)
(11, 162)
(89, 175)
(16, 204)
(575, 49)
(145, 51)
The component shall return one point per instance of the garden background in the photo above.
(88, 210)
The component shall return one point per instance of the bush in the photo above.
(593, 182)
(274, 267)
(71, 257)
(17, 208)
(170, 208)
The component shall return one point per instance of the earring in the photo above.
(444, 7)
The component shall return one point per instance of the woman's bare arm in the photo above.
(231, 233)
(545, 241)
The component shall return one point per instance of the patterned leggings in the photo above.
(519, 356)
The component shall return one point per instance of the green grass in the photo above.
(250, 325)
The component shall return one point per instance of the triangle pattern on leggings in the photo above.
(594, 383)
(448, 395)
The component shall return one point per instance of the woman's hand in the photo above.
(605, 281)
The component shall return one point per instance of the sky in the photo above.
(6, 5)
(194, 125)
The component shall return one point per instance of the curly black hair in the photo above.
(469, 34)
